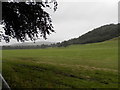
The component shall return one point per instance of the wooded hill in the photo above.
(100, 34)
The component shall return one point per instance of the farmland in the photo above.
(76, 66)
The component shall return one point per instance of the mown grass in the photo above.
(76, 66)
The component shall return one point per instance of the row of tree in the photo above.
(26, 47)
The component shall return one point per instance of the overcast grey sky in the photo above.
(73, 19)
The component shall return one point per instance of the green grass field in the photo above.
(76, 66)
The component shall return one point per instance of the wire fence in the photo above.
(4, 83)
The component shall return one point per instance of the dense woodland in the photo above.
(100, 34)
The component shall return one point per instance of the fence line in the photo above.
(4, 83)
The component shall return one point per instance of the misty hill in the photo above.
(32, 43)
(29, 45)
(100, 34)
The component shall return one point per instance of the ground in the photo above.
(75, 66)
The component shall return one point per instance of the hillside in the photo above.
(100, 34)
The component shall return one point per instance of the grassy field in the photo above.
(76, 66)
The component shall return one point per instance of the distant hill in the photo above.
(100, 34)
(32, 43)
(28, 45)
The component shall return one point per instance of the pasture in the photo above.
(76, 66)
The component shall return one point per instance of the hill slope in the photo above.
(100, 34)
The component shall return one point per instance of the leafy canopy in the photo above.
(23, 20)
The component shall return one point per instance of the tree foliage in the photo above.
(23, 20)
